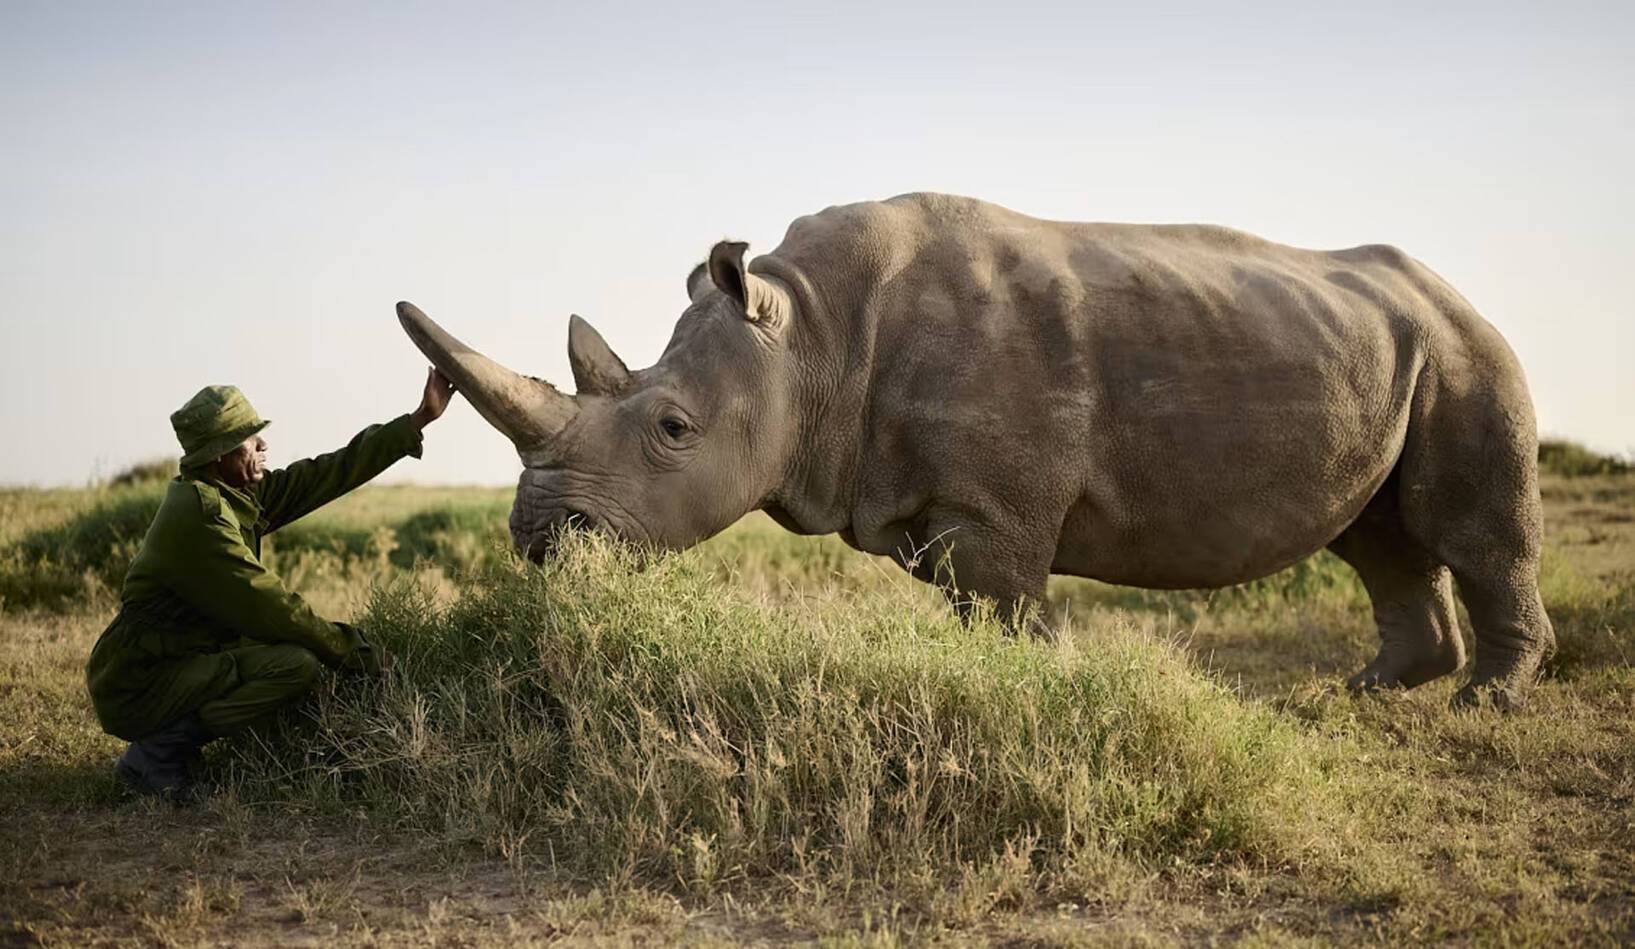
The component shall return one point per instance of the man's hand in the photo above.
(365, 657)
(439, 390)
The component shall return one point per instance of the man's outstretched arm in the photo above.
(293, 492)
(218, 575)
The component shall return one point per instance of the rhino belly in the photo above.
(1237, 498)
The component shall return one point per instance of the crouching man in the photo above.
(208, 640)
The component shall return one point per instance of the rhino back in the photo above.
(1182, 405)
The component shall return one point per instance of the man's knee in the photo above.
(293, 666)
(303, 666)
(270, 678)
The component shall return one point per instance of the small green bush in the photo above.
(1319, 578)
(316, 536)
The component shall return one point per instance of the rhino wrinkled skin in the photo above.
(990, 398)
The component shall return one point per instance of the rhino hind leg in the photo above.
(1470, 495)
(1495, 561)
(1513, 640)
(1412, 597)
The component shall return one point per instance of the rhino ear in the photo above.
(760, 300)
(698, 281)
(727, 271)
(596, 370)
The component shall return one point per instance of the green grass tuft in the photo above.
(459, 538)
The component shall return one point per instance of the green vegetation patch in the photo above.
(142, 472)
(456, 537)
(83, 556)
(638, 720)
(1571, 460)
(86, 555)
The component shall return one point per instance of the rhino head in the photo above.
(664, 456)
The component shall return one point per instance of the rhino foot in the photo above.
(1500, 696)
(1041, 630)
(1404, 669)
(1373, 679)
(1503, 685)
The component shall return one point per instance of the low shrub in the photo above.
(1321, 578)
(317, 536)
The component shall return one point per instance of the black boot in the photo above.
(163, 762)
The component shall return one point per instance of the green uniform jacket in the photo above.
(197, 586)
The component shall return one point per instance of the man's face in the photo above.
(244, 465)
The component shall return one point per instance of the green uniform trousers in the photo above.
(267, 678)
(230, 690)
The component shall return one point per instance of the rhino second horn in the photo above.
(526, 410)
(596, 369)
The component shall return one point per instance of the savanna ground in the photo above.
(775, 739)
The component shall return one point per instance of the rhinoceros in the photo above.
(991, 398)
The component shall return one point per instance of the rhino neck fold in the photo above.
(830, 362)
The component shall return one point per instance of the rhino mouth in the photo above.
(541, 539)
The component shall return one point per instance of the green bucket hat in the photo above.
(213, 423)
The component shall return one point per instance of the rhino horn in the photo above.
(596, 370)
(529, 411)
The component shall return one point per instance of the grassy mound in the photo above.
(639, 721)
(1322, 578)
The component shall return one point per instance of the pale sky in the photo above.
(229, 192)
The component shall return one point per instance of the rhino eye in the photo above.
(673, 427)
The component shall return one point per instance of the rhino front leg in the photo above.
(971, 561)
